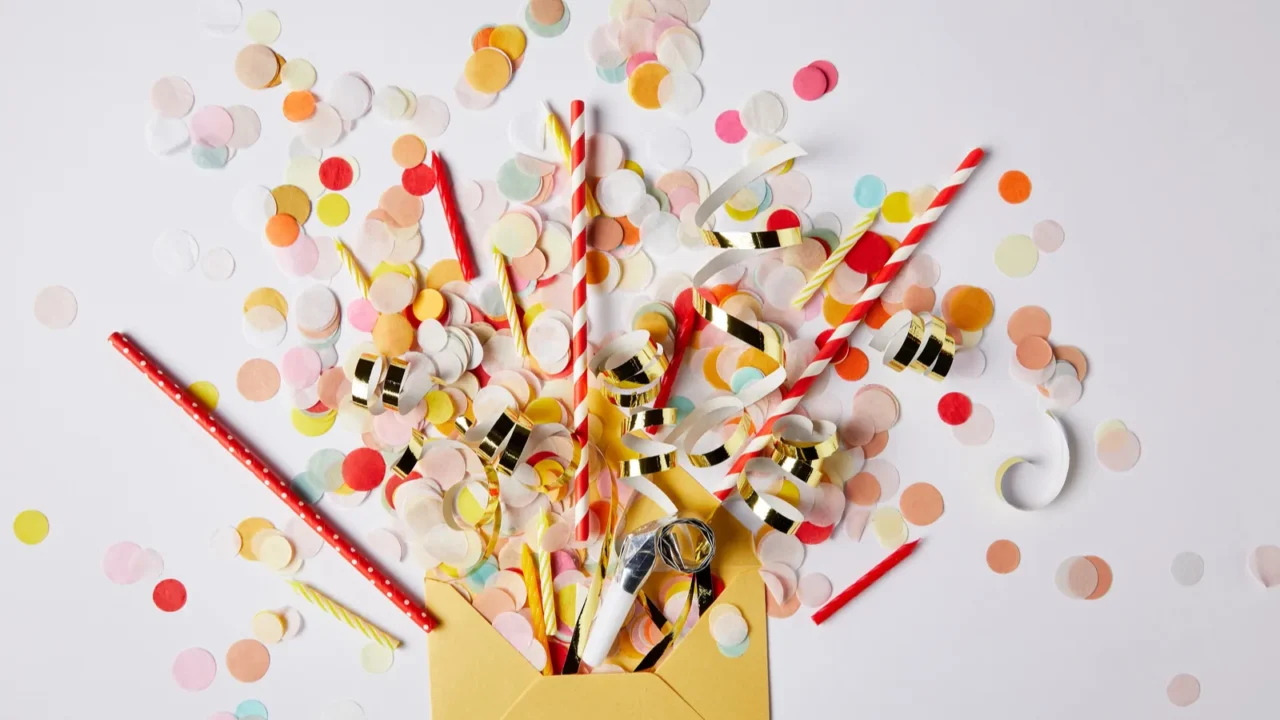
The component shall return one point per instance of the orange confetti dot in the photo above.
(481, 38)
(597, 267)
(1015, 187)
(971, 308)
(299, 105)
(877, 316)
(1003, 557)
(282, 230)
(834, 311)
(408, 151)
(854, 366)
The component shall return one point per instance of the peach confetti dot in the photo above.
(1003, 556)
(248, 660)
(921, 504)
(1034, 353)
(1029, 321)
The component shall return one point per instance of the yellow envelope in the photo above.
(478, 675)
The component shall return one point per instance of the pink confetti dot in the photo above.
(810, 83)
(194, 669)
(729, 127)
(362, 315)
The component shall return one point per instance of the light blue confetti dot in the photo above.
(735, 651)
(767, 202)
(323, 467)
(742, 377)
(869, 191)
(683, 406)
(302, 485)
(613, 76)
(209, 158)
(515, 185)
(250, 708)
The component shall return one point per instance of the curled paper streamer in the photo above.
(1035, 492)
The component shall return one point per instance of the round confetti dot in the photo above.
(169, 595)
(1048, 235)
(1118, 450)
(729, 127)
(1187, 568)
(921, 504)
(336, 173)
(488, 70)
(863, 489)
(363, 469)
(263, 27)
(393, 335)
(31, 527)
(248, 660)
(869, 254)
(955, 408)
(869, 191)
(1183, 690)
(889, 527)
(1017, 256)
(1034, 353)
(376, 658)
(298, 74)
(175, 251)
(408, 150)
(1104, 576)
(1029, 321)
(299, 105)
(256, 66)
(251, 708)
(1077, 578)
(978, 429)
(970, 309)
(418, 180)
(343, 710)
(212, 126)
(814, 589)
(896, 207)
(809, 83)
(218, 264)
(55, 307)
(1003, 556)
(194, 669)
(248, 127)
(258, 380)
(172, 97)
(333, 209)
(282, 230)
(268, 627)
(643, 84)
(1015, 187)
(1264, 565)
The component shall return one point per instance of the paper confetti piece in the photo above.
(1183, 690)
(194, 669)
(55, 307)
(31, 527)
(1015, 187)
(248, 660)
(1187, 568)
(1003, 557)
(169, 595)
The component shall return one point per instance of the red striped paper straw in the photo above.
(279, 487)
(840, 336)
(578, 188)
(864, 582)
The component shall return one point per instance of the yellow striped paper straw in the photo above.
(561, 139)
(548, 592)
(353, 267)
(509, 303)
(837, 256)
(352, 620)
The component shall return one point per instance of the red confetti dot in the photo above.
(869, 254)
(811, 534)
(955, 408)
(822, 339)
(336, 174)
(418, 180)
(363, 469)
(782, 219)
(169, 595)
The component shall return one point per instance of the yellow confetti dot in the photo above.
(897, 207)
(655, 324)
(643, 84)
(247, 529)
(634, 167)
(710, 372)
(292, 200)
(206, 392)
(275, 551)
(488, 70)
(312, 425)
(510, 39)
(543, 410)
(333, 209)
(392, 334)
(31, 527)
(834, 311)
(268, 627)
(440, 409)
(741, 215)
(269, 297)
(376, 658)
(429, 305)
(408, 270)
(442, 273)
(469, 508)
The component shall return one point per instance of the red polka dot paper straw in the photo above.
(840, 336)
(578, 187)
(453, 218)
(177, 392)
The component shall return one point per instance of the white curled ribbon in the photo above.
(1026, 491)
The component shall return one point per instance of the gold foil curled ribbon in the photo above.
(922, 344)
(368, 379)
(802, 459)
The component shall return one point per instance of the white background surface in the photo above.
(1147, 129)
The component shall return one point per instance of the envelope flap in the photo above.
(720, 687)
(475, 673)
(613, 696)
